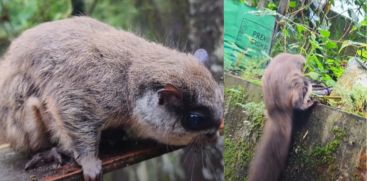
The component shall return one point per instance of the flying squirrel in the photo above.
(63, 82)
(285, 90)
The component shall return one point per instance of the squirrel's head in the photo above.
(185, 108)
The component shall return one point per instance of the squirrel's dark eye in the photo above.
(196, 121)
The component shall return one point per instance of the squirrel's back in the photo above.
(94, 62)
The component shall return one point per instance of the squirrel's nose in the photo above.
(221, 126)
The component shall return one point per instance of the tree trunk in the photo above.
(206, 31)
(78, 7)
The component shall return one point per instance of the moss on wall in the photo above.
(241, 136)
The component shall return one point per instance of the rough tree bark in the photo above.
(78, 7)
(282, 9)
(206, 31)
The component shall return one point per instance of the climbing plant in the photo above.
(327, 39)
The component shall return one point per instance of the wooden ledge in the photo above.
(127, 153)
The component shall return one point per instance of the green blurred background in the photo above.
(185, 24)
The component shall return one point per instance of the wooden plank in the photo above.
(127, 153)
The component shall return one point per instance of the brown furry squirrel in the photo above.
(63, 82)
(285, 90)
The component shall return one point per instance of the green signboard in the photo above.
(247, 33)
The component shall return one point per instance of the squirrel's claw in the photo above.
(51, 155)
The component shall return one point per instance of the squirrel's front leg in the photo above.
(85, 151)
(89, 161)
(301, 94)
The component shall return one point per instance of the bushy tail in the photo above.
(272, 151)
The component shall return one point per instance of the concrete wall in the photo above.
(329, 144)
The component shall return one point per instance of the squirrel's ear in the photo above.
(170, 95)
(202, 56)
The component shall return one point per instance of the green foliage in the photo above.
(235, 96)
(239, 149)
(324, 52)
(116, 13)
(353, 100)
(153, 19)
(249, 69)
(253, 70)
(292, 4)
(236, 154)
(18, 15)
(272, 6)
(323, 64)
(327, 43)
(255, 116)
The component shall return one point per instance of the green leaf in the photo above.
(272, 6)
(324, 33)
(315, 44)
(285, 32)
(292, 4)
(330, 61)
(313, 75)
(318, 64)
(337, 71)
(362, 53)
(300, 28)
(331, 45)
(294, 45)
(363, 23)
(347, 43)
(329, 81)
(314, 62)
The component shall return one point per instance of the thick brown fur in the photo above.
(285, 90)
(64, 82)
